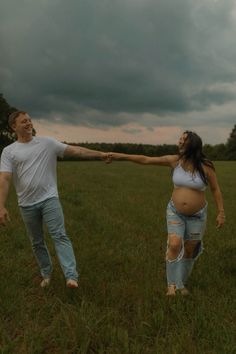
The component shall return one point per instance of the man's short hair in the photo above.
(12, 117)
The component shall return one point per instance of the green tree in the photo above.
(6, 136)
(215, 152)
(231, 145)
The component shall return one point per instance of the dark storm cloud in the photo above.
(101, 63)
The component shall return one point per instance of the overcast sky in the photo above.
(121, 70)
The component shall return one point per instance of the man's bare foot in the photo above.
(71, 283)
(171, 290)
(184, 292)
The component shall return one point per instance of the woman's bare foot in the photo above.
(45, 282)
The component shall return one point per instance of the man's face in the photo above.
(23, 125)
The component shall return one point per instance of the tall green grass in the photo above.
(115, 217)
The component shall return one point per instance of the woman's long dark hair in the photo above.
(193, 153)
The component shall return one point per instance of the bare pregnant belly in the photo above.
(188, 201)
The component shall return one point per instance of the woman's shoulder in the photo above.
(173, 160)
(208, 168)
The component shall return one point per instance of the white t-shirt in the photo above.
(33, 167)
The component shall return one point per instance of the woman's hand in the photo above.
(220, 220)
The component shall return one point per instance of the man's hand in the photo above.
(4, 216)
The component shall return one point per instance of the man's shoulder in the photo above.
(52, 144)
(9, 147)
(45, 139)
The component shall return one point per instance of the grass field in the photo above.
(115, 217)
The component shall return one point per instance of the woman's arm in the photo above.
(167, 160)
(216, 192)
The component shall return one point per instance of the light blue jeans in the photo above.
(49, 212)
(187, 228)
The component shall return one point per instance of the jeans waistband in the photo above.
(172, 206)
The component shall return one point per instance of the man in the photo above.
(31, 162)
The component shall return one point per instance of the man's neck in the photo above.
(24, 139)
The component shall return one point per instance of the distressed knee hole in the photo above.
(192, 249)
(174, 247)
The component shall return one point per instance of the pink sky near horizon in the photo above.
(156, 136)
(80, 134)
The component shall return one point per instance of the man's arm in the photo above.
(5, 180)
(78, 151)
(167, 160)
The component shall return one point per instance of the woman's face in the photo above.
(182, 142)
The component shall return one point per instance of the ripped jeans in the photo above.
(187, 229)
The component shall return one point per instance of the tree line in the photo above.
(216, 152)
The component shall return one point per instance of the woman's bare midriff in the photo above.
(188, 201)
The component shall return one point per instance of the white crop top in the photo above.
(182, 178)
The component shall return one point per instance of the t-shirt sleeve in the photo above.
(59, 147)
(6, 161)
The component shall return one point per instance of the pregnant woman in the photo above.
(186, 212)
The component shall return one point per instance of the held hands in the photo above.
(4, 216)
(107, 157)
